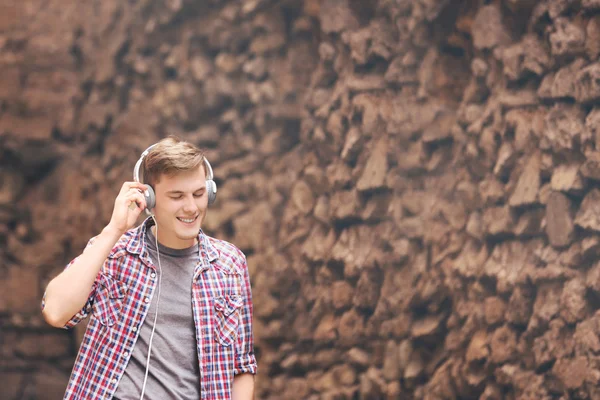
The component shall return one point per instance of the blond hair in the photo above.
(170, 156)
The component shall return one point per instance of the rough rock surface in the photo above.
(415, 183)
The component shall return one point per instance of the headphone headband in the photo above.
(138, 164)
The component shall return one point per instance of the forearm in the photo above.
(67, 293)
(243, 387)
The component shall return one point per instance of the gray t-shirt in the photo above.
(173, 373)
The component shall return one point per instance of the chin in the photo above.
(188, 235)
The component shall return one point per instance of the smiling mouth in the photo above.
(187, 220)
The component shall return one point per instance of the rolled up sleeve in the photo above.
(245, 360)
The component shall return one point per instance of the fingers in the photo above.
(132, 185)
(135, 198)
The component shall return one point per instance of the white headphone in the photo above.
(211, 186)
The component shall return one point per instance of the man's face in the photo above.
(181, 203)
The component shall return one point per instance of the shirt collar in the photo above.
(137, 245)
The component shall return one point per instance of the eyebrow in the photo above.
(181, 192)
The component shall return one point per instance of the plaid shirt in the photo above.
(119, 302)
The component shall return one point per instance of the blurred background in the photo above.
(415, 183)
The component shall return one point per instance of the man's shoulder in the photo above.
(225, 248)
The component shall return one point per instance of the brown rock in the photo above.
(315, 178)
(527, 56)
(344, 205)
(426, 327)
(503, 345)
(303, 197)
(440, 129)
(353, 145)
(592, 124)
(520, 306)
(327, 329)
(573, 303)
(506, 264)
(342, 293)
(478, 347)
(530, 223)
(566, 178)
(336, 16)
(592, 47)
(506, 160)
(528, 185)
(375, 171)
(357, 249)
(591, 167)
(586, 336)
(498, 220)
(593, 278)
(495, 308)
(402, 71)
(559, 220)
(492, 392)
(351, 328)
(547, 301)
(414, 368)
(568, 38)
(391, 362)
(571, 372)
(321, 211)
(491, 191)
(339, 176)
(590, 4)
(265, 306)
(561, 84)
(588, 85)
(488, 30)
(588, 216)
(358, 357)
(367, 290)
(372, 384)
(564, 127)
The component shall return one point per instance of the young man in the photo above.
(171, 308)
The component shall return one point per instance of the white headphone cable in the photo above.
(156, 314)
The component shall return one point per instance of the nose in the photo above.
(189, 205)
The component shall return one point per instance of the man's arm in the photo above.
(243, 387)
(68, 293)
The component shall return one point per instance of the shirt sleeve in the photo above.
(245, 360)
(87, 307)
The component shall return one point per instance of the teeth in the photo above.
(187, 220)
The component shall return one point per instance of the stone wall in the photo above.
(415, 183)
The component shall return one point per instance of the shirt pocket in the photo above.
(108, 303)
(227, 314)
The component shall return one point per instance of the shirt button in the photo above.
(114, 381)
(153, 275)
(125, 354)
(147, 299)
(134, 329)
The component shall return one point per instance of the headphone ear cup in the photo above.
(211, 189)
(150, 197)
